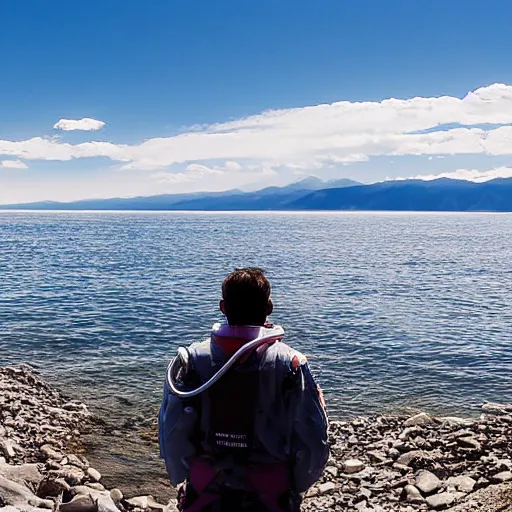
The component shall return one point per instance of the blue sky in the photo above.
(203, 95)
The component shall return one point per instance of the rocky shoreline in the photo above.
(377, 464)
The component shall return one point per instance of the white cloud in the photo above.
(464, 174)
(309, 137)
(86, 124)
(13, 164)
(192, 172)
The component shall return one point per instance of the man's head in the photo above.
(246, 297)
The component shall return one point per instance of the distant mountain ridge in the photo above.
(314, 194)
(211, 200)
(414, 195)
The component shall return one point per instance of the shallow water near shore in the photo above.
(392, 310)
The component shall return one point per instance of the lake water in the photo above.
(392, 310)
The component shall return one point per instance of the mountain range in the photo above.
(314, 194)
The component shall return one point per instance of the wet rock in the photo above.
(139, 502)
(116, 495)
(154, 505)
(419, 420)
(73, 460)
(456, 421)
(52, 487)
(80, 503)
(48, 452)
(71, 474)
(94, 474)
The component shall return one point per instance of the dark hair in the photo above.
(246, 294)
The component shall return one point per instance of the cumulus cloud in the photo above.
(13, 164)
(310, 137)
(465, 174)
(86, 124)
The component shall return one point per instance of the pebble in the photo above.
(94, 474)
(139, 502)
(504, 476)
(374, 460)
(461, 483)
(427, 482)
(50, 453)
(441, 500)
(413, 494)
(353, 466)
(7, 448)
(326, 488)
(116, 494)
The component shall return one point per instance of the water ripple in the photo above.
(391, 309)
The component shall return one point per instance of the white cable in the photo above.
(275, 336)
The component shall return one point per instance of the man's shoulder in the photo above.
(285, 354)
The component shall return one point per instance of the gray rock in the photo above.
(80, 503)
(19, 496)
(326, 488)
(441, 500)
(105, 504)
(96, 486)
(407, 458)
(21, 474)
(394, 453)
(419, 420)
(71, 474)
(7, 448)
(462, 483)
(456, 421)
(332, 471)
(139, 502)
(353, 466)
(427, 482)
(52, 487)
(73, 460)
(116, 495)
(470, 442)
(94, 474)
(377, 457)
(504, 476)
(48, 452)
(413, 495)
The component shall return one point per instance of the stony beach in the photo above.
(378, 463)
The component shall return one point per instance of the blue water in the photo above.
(392, 310)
